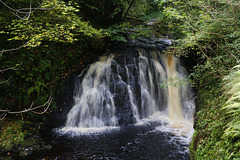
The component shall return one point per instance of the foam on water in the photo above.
(75, 131)
(181, 129)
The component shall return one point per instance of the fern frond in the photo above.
(232, 107)
(234, 98)
(233, 114)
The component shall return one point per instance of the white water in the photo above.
(94, 105)
(95, 109)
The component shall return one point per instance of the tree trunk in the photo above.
(128, 9)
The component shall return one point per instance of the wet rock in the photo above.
(161, 47)
(47, 146)
(167, 42)
(160, 43)
(152, 22)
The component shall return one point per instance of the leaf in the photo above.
(30, 90)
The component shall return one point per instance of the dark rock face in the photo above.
(125, 74)
(150, 43)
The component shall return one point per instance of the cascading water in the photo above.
(94, 105)
(119, 91)
(131, 104)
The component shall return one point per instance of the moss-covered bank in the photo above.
(217, 134)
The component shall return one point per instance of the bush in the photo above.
(12, 135)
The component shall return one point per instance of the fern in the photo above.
(232, 109)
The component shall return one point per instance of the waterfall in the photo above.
(174, 100)
(94, 105)
(124, 88)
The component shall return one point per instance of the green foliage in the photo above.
(121, 31)
(175, 82)
(208, 27)
(116, 32)
(54, 39)
(12, 135)
(208, 125)
(60, 24)
(231, 134)
(39, 72)
(138, 9)
(217, 135)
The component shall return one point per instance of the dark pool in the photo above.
(136, 142)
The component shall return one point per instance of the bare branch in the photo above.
(5, 81)
(25, 17)
(10, 68)
(29, 11)
(10, 7)
(13, 49)
(2, 116)
(45, 107)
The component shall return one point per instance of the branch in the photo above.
(128, 9)
(13, 49)
(38, 8)
(25, 17)
(5, 81)
(30, 10)
(31, 108)
(10, 68)
(2, 116)
(10, 7)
